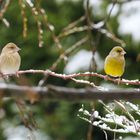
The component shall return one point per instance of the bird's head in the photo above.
(10, 48)
(117, 51)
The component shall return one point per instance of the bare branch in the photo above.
(24, 17)
(68, 94)
(4, 9)
(97, 27)
(73, 24)
(109, 14)
(68, 51)
(62, 56)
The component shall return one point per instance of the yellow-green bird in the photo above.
(115, 62)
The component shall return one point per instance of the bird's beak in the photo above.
(18, 49)
(123, 53)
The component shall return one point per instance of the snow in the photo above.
(81, 62)
(135, 107)
(109, 86)
(114, 11)
(129, 20)
(131, 138)
(30, 3)
(87, 113)
(95, 114)
(81, 110)
(131, 128)
(96, 7)
(96, 123)
(21, 133)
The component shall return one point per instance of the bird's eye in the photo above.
(11, 47)
(119, 51)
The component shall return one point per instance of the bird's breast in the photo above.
(9, 63)
(114, 66)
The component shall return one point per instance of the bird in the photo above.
(114, 64)
(10, 59)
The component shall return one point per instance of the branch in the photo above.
(98, 27)
(4, 9)
(68, 51)
(70, 76)
(107, 122)
(125, 1)
(62, 56)
(63, 93)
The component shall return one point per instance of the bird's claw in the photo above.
(17, 74)
(106, 77)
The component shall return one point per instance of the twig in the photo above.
(109, 14)
(93, 65)
(69, 50)
(125, 124)
(120, 103)
(51, 28)
(95, 27)
(4, 9)
(24, 17)
(62, 56)
(73, 24)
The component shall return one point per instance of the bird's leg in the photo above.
(119, 80)
(106, 77)
(1, 75)
(4, 77)
(17, 74)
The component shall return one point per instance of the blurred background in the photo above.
(48, 29)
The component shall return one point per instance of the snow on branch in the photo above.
(111, 121)
(75, 75)
(66, 93)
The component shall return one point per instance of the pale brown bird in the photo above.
(10, 59)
